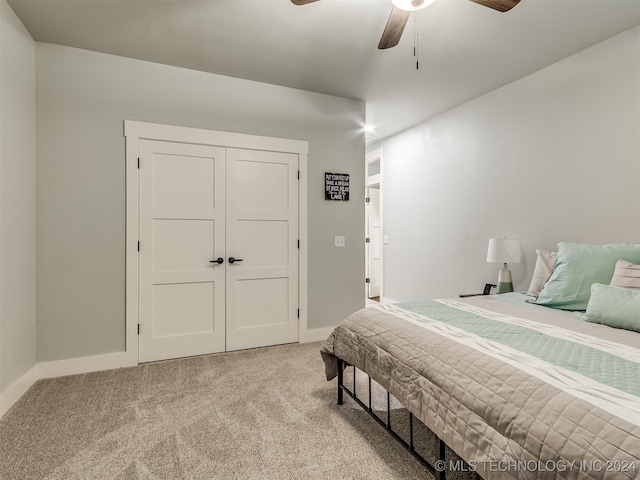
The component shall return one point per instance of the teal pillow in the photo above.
(614, 306)
(580, 265)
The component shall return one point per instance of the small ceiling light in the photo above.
(411, 5)
(369, 128)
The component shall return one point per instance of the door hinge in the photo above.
(138, 162)
(367, 240)
(367, 280)
(367, 200)
(298, 243)
(298, 174)
(298, 313)
(138, 245)
(138, 329)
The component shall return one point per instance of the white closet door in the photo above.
(262, 230)
(182, 223)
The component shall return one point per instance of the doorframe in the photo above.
(135, 131)
(370, 181)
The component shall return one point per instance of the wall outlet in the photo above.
(339, 241)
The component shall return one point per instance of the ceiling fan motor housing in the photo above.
(412, 5)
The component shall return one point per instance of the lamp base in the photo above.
(505, 284)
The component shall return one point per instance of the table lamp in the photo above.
(504, 250)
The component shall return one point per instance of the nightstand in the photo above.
(487, 291)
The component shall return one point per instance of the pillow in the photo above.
(580, 265)
(542, 271)
(626, 275)
(614, 306)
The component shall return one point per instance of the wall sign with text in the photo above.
(336, 186)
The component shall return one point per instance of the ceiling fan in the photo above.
(402, 9)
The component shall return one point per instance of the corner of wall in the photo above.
(17, 205)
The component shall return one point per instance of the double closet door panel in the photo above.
(182, 223)
(198, 203)
(262, 230)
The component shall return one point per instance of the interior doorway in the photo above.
(216, 241)
(374, 236)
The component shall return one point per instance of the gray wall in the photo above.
(83, 98)
(17, 199)
(552, 157)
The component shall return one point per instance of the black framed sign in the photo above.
(336, 186)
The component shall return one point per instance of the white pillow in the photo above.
(542, 271)
(626, 275)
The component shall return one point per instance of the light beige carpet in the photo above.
(258, 414)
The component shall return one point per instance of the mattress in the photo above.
(516, 389)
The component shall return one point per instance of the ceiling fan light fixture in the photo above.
(411, 5)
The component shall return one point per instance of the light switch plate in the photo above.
(385, 239)
(340, 241)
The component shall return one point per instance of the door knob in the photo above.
(234, 260)
(218, 260)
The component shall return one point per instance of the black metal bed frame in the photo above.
(439, 444)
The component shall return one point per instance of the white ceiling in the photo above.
(330, 46)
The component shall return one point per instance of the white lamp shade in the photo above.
(411, 5)
(504, 250)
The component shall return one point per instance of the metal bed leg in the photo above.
(340, 380)
(354, 379)
(370, 406)
(411, 445)
(388, 411)
(440, 453)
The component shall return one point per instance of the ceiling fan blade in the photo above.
(500, 5)
(302, 2)
(394, 28)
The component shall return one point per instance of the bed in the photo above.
(517, 390)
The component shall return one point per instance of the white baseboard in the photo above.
(74, 366)
(315, 334)
(12, 394)
(59, 368)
